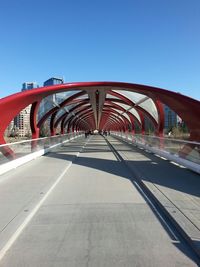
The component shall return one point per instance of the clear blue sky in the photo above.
(153, 42)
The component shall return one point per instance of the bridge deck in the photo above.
(79, 206)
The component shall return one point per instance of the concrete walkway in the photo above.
(92, 214)
(176, 188)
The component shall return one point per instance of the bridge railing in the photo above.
(181, 151)
(26, 147)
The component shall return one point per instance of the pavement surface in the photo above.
(78, 206)
(175, 187)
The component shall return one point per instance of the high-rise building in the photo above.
(171, 118)
(53, 81)
(9, 130)
(148, 124)
(51, 100)
(22, 120)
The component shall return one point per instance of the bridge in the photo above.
(99, 191)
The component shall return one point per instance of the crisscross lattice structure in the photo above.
(102, 106)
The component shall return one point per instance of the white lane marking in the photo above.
(177, 164)
(156, 211)
(163, 158)
(17, 233)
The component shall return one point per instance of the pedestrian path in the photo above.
(92, 214)
(176, 188)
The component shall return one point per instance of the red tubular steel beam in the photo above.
(83, 115)
(81, 103)
(107, 116)
(112, 125)
(110, 114)
(131, 116)
(112, 120)
(113, 111)
(68, 101)
(65, 120)
(33, 123)
(79, 113)
(161, 118)
(70, 121)
(186, 108)
(52, 128)
(64, 116)
(126, 121)
(87, 118)
(177, 102)
(80, 121)
(139, 109)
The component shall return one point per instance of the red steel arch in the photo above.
(131, 116)
(187, 108)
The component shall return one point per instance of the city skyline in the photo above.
(152, 43)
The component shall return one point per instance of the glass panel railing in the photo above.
(188, 150)
(23, 148)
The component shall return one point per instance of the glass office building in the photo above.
(171, 118)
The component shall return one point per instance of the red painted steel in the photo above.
(131, 116)
(139, 109)
(187, 108)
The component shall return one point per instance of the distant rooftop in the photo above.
(53, 81)
(29, 85)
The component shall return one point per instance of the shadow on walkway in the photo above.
(152, 168)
